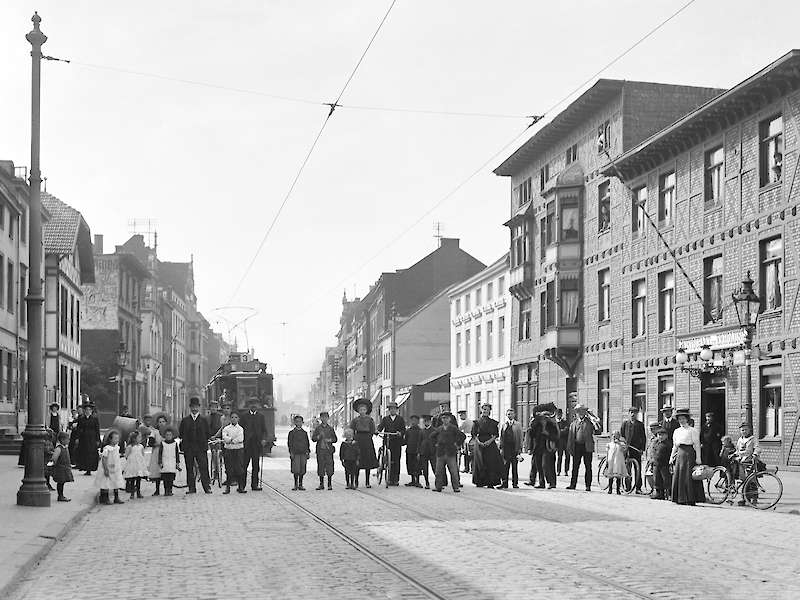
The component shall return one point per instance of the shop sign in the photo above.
(716, 341)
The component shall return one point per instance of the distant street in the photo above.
(480, 544)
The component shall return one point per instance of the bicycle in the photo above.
(385, 458)
(217, 465)
(760, 488)
(633, 468)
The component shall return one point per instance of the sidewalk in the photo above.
(27, 534)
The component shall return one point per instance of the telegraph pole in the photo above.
(33, 491)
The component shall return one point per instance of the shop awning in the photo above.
(401, 398)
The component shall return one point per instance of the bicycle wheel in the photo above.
(718, 486)
(602, 480)
(647, 483)
(381, 465)
(223, 475)
(629, 481)
(762, 490)
(387, 462)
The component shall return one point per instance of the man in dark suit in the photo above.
(633, 432)
(394, 424)
(669, 423)
(711, 434)
(255, 431)
(194, 434)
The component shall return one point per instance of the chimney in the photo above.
(98, 244)
(448, 242)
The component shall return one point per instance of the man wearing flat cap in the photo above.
(633, 432)
(194, 434)
(394, 424)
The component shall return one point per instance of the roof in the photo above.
(177, 275)
(432, 379)
(66, 233)
(757, 90)
(501, 264)
(587, 103)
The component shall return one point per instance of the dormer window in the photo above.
(603, 137)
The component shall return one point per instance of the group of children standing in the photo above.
(656, 469)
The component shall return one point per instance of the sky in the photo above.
(211, 166)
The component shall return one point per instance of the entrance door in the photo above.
(712, 400)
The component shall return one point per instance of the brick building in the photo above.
(720, 186)
(563, 211)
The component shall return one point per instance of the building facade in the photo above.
(719, 188)
(69, 263)
(480, 322)
(562, 213)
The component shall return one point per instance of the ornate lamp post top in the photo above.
(36, 37)
(747, 303)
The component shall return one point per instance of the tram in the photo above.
(241, 378)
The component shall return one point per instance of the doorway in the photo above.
(712, 399)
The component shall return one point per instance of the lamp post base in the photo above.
(33, 491)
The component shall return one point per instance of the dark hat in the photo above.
(56, 405)
(294, 418)
(683, 412)
(194, 401)
(391, 404)
(745, 424)
(253, 400)
(662, 430)
(634, 410)
(324, 413)
(413, 417)
(709, 414)
(359, 401)
(548, 408)
(446, 413)
(654, 424)
(462, 411)
(147, 417)
(444, 403)
(666, 408)
(426, 417)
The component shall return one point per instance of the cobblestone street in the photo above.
(494, 544)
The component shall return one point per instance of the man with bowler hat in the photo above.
(633, 432)
(580, 444)
(394, 423)
(255, 431)
(194, 434)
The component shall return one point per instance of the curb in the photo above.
(50, 537)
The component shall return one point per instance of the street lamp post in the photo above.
(121, 356)
(33, 491)
(747, 305)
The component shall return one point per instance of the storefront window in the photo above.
(771, 405)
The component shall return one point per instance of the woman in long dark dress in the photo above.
(89, 442)
(488, 465)
(363, 427)
(685, 455)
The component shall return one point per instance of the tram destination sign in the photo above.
(719, 340)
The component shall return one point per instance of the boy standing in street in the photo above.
(425, 456)
(413, 438)
(447, 439)
(325, 437)
(299, 452)
(660, 457)
(348, 454)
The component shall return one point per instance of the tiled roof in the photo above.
(67, 232)
(176, 275)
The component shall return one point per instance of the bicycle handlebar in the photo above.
(388, 433)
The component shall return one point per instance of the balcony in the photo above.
(568, 338)
(521, 281)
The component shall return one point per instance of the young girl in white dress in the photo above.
(615, 461)
(109, 474)
(135, 466)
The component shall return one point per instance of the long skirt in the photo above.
(88, 458)
(367, 458)
(488, 466)
(686, 490)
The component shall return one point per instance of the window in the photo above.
(638, 209)
(547, 225)
(771, 149)
(489, 291)
(466, 303)
(639, 395)
(23, 227)
(478, 301)
(666, 197)
(23, 290)
(2, 216)
(638, 307)
(11, 287)
(771, 396)
(714, 160)
(72, 316)
(603, 394)
(467, 346)
(771, 274)
(12, 224)
(477, 343)
(524, 319)
(544, 176)
(712, 277)
(489, 339)
(501, 336)
(500, 400)
(572, 154)
(458, 306)
(570, 224)
(603, 137)
(666, 391)
(525, 191)
(666, 297)
(604, 295)
(64, 312)
(519, 244)
(63, 386)
(501, 286)
(604, 206)
(570, 299)
(549, 306)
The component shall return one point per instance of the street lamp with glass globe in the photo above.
(748, 306)
(121, 356)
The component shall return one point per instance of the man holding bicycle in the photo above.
(633, 432)
(394, 425)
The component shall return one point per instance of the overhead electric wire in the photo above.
(536, 119)
(333, 105)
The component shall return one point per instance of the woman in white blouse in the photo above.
(685, 455)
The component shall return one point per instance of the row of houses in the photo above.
(635, 215)
(99, 308)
